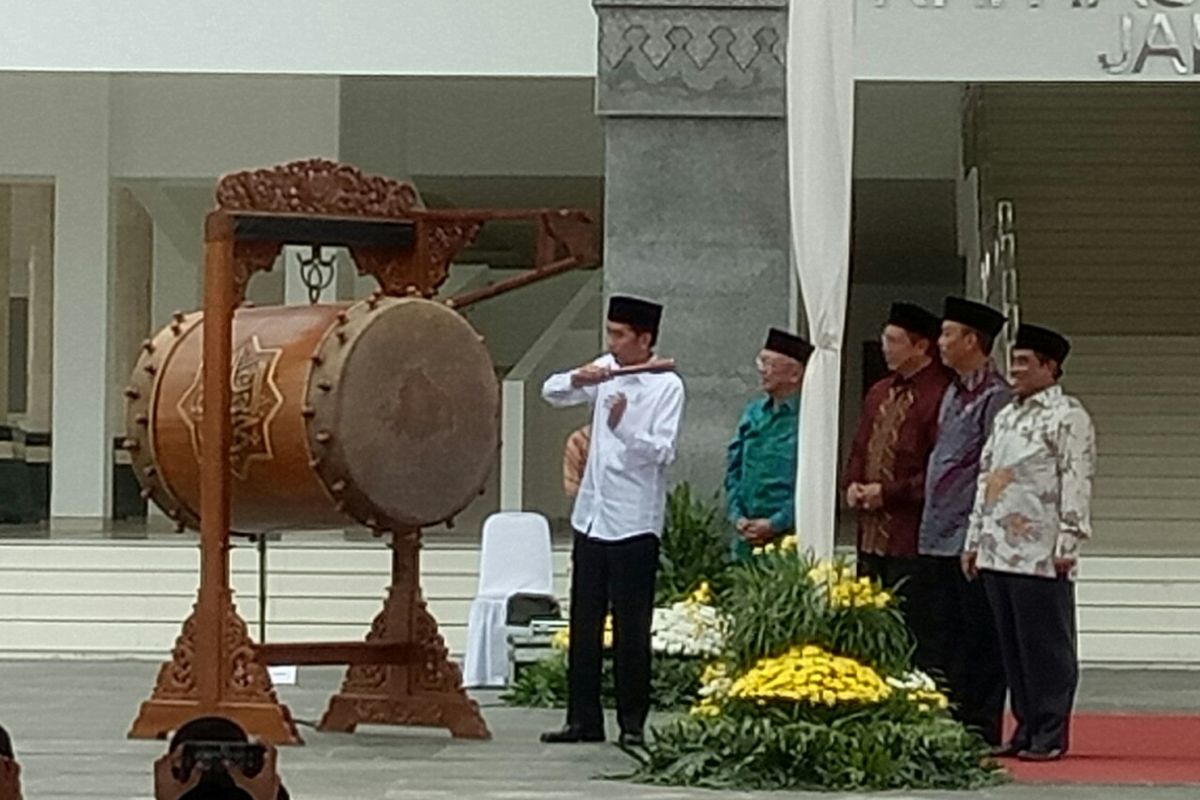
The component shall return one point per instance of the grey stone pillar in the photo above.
(696, 204)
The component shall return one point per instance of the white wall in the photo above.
(400, 37)
(1010, 40)
(201, 126)
(512, 322)
(895, 39)
(472, 126)
(65, 135)
(81, 131)
(907, 130)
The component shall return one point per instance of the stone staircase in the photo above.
(104, 599)
(1143, 393)
(126, 600)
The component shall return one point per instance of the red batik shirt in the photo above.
(896, 433)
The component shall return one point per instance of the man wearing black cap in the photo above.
(962, 646)
(885, 479)
(618, 517)
(1032, 512)
(760, 466)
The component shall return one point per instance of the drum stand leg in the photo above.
(241, 691)
(424, 691)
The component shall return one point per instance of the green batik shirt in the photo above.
(760, 466)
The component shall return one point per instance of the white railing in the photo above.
(532, 433)
(998, 275)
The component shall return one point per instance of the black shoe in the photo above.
(1053, 754)
(1009, 750)
(632, 739)
(572, 735)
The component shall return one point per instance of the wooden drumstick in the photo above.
(653, 365)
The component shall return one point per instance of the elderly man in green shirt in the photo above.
(760, 467)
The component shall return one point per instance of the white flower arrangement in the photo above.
(915, 681)
(690, 628)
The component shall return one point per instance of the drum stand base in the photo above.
(244, 690)
(426, 690)
(401, 675)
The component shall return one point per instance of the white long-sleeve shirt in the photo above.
(623, 491)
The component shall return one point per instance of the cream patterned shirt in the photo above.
(1033, 502)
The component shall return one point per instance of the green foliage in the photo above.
(773, 605)
(543, 684)
(875, 636)
(762, 750)
(694, 546)
(674, 682)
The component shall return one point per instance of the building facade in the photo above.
(1077, 117)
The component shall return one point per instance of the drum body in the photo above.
(385, 411)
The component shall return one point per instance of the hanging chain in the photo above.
(316, 272)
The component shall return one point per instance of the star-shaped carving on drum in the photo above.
(254, 403)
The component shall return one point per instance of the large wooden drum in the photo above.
(386, 411)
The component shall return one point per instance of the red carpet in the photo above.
(1122, 749)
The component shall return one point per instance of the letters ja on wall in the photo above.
(1159, 38)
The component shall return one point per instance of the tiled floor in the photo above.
(69, 720)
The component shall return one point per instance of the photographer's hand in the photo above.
(264, 785)
(166, 785)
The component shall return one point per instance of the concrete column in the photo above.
(38, 206)
(132, 273)
(81, 443)
(696, 204)
(6, 240)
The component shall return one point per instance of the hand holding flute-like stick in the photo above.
(592, 374)
(653, 365)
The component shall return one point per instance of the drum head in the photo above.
(404, 405)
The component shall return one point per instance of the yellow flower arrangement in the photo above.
(844, 591)
(715, 683)
(788, 544)
(702, 596)
(928, 701)
(562, 638)
(812, 675)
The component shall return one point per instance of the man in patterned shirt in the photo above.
(1032, 512)
(962, 647)
(760, 464)
(885, 479)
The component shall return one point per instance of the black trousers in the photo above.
(621, 575)
(1035, 620)
(960, 645)
(903, 576)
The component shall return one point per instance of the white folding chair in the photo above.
(515, 558)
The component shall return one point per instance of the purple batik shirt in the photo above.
(964, 421)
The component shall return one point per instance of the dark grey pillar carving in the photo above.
(696, 206)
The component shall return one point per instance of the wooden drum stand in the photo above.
(401, 673)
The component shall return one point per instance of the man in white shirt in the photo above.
(1032, 512)
(618, 518)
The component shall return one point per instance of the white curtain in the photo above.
(820, 120)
